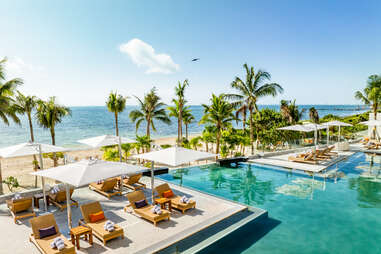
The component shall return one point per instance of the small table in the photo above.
(164, 203)
(77, 232)
(38, 197)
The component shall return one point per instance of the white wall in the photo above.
(370, 128)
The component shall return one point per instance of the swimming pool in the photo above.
(305, 215)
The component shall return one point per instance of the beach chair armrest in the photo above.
(81, 222)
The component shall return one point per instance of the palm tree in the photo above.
(372, 93)
(242, 110)
(150, 109)
(250, 91)
(195, 142)
(116, 103)
(179, 107)
(188, 118)
(7, 91)
(290, 111)
(314, 115)
(220, 114)
(26, 105)
(48, 114)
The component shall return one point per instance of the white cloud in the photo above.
(143, 54)
(16, 67)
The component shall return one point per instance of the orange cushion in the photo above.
(168, 193)
(94, 217)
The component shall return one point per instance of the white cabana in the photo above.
(31, 148)
(335, 123)
(107, 140)
(84, 172)
(305, 128)
(173, 156)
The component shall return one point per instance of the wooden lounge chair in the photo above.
(133, 183)
(175, 199)
(106, 188)
(21, 208)
(43, 245)
(59, 199)
(98, 227)
(307, 158)
(145, 212)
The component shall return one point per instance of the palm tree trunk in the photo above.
(186, 131)
(32, 139)
(178, 131)
(206, 147)
(1, 180)
(218, 142)
(244, 120)
(148, 133)
(181, 123)
(251, 131)
(53, 134)
(116, 124)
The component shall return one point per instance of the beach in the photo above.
(21, 167)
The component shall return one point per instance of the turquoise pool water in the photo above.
(305, 215)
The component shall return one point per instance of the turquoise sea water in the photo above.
(93, 121)
(305, 216)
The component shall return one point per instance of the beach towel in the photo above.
(184, 200)
(156, 209)
(109, 226)
(58, 243)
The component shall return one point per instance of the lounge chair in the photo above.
(175, 199)
(106, 188)
(146, 211)
(59, 199)
(132, 182)
(307, 158)
(21, 208)
(98, 227)
(43, 244)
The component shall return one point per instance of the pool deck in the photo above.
(141, 236)
(282, 161)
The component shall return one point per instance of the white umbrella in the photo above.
(85, 172)
(304, 128)
(173, 156)
(31, 148)
(335, 123)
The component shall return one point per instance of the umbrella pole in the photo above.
(68, 206)
(152, 178)
(327, 135)
(42, 178)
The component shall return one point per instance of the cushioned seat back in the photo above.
(134, 179)
(109, 184)
(22, 204)
(42, 221)
(90, 208)
(136, 196)
(162, 188)
(61, 195)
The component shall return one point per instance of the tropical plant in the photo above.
(116, 103)
(371, 94)
(49, 113)
(150, 109)
(143, 143)
(208, 136)
(195, 143)
(220, 114)
(111, 154)
(250, 91)
(290, 111)
(188, 118)
(127, 148)
(180, 104)
(11, 183)
(314, 115)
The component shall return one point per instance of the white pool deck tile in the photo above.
(282, 161)
(141, 236)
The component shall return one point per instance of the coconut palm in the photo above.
(371, 94)
(116, 103)
(150, 108)
(26, 105)
(290, 111)
(179, 107)
(188, 118)
(7, 91)
(314, 115)
(250, 91)
(195, 143)
(49, 113)
(242, 110)
(220, 114)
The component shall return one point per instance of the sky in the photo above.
(320, 52)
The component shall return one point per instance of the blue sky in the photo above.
(321, 52)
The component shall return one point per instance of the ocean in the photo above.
(93, 121)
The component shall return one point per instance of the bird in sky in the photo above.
(195, 59)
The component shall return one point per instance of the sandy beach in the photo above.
(21, 167)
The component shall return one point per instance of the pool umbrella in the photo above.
(84, 172)
(31, 148)
(107, 140)
(374, 123)
(173, 156)
(335, 123)
(304, 128)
